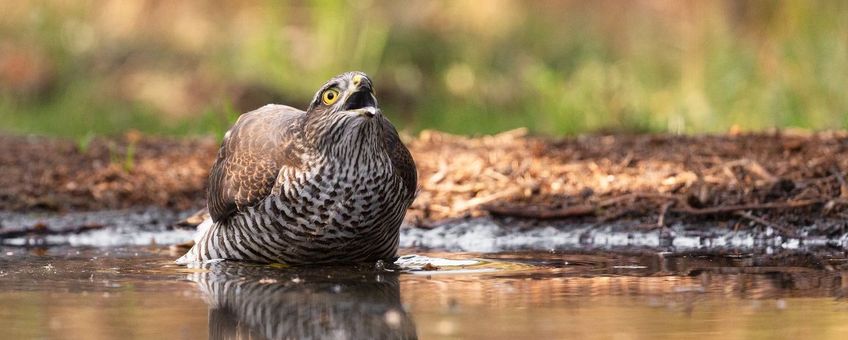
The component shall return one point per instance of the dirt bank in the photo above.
(782, 180)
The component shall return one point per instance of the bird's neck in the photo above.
(362, 150)
(348, 143)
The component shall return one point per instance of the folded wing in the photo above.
(261, 143)
(402, 160)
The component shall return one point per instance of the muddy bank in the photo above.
(45, 174)
(780, 181)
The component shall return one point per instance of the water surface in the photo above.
(136, 292)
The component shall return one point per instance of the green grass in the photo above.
(683, 67)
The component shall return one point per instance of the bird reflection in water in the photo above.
(261, 302)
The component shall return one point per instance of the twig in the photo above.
(663, 211)
(685, 208)
(747, 164)
(549, 214)
(635, 195)
(485, 199)
(439, 175)
(192, 221)
(742, 207)
(765, 223)
(759, 170)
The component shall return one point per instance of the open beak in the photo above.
(362, 99)
(369, 111)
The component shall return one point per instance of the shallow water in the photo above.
(136, 292)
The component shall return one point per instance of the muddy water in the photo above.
(135, 292)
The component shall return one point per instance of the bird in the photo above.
(323, 186)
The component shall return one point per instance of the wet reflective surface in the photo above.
(136, 292)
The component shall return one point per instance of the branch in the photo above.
(542, 214)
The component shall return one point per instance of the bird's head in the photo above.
(344, 107)
(348, 94)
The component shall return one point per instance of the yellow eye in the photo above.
(330, 96)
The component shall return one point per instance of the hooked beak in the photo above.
(368, 112)
(362, 98)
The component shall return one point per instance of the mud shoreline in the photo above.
(788, 182)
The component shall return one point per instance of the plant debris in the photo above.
(781, 179)
(429, 267)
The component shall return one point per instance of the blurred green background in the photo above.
(83, 68)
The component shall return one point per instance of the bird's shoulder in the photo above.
(401, 158)
(259, 144)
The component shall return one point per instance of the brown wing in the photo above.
(252, 154)
(401, 158)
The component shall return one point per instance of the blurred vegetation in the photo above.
(78, 68)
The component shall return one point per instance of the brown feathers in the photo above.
(254, 150)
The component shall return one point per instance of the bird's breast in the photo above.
(340, 199)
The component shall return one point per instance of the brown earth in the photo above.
(778, 179)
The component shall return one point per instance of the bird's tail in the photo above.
(194, 254)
